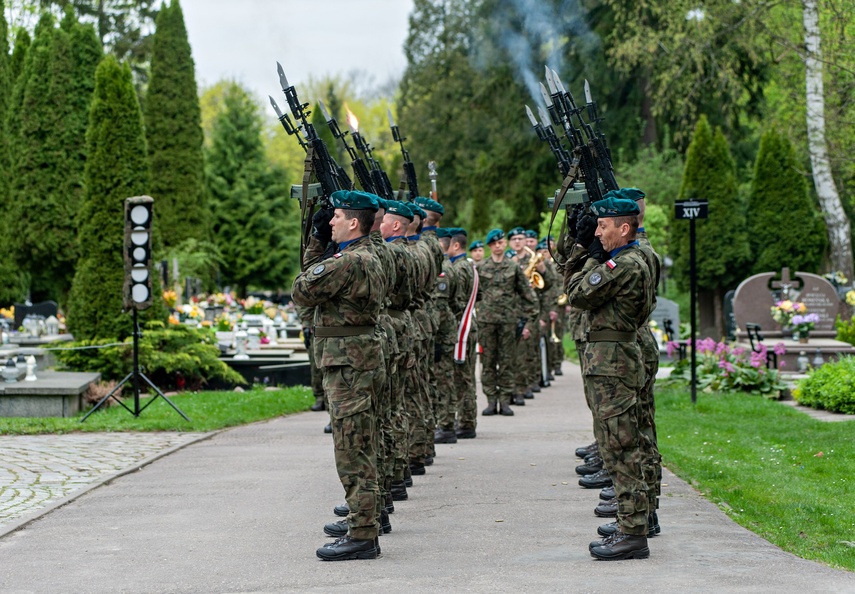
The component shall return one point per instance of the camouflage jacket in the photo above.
(424, 279)
(446, 287)
(346, 290)
(387, 259)
(649, 347)
(576, 318)
(616, 296)
(402, 290)
(504, 295)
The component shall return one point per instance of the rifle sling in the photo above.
(306, 211)
(569, 179)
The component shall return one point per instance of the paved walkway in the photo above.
(243, 511)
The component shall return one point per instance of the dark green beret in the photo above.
(531, 233)
(354, 200)
(633, 194)
(401, 209)
(614, 207)
(542, 245)
(516, 231)
(417, 210)
(442, 233)
(452, 231)
(510, 253)
(433, 205)
(476, 244)
(420, 200)
(381, 203)
(494, 235)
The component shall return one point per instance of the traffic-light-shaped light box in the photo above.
(138, 218)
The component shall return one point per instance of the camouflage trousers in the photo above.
(524, 374)
(352, 397)
(317, 376)
(464, 388)
(497, 361)
(652, 460)
(429, 370)
(616, 419)
(447, 395)
(402, 363)
(385, 434)
(417, 404)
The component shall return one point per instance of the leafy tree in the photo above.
(722, 239)
(174, 133)
(256, 228)
(116, 169)
(784, 226)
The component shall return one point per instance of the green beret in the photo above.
(510, 253)
(494, 235)
(442, 233)
(542, 245)
(633, 194)
(354, 200)
(531, 233)
(452, 231)
(614, 207)
(401, 209)
(417, 210)
(433, 205)
(516, 231)
(476, 244)
(381, 203)
(420, 200)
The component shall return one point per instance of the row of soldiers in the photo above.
(388, 302)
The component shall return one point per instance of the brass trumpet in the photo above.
(562, 299)
(535, 279)
(552, 336)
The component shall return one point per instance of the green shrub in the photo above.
(831, 387)
(169, 356)
(845, 330)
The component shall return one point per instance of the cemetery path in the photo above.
(243, 511)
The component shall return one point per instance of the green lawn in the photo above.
(207, 411)
(774, 470)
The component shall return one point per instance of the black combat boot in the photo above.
(519, 400)
(622, 546)
(534, 388)
(385, 524)
(653, 527)
(592, 464)
(490, 410)
(349, 548)
(529, 394)
(587, 450)
(466, 433)
(505, 409)
(341, 510)
(336, 529)
(558, 371)
(417, 468)
(399, 492)
(444, 436)
(319, 404)
(328, 428)
(389, 504)
(597, 480)
(607, 529)
(607, 493)
(606, 509)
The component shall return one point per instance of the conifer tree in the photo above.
(116, 169)
(722, 239)
(19, 53)
(10, 285)
(256, 228)
(785, 228)
(174, 133)
(48, 154)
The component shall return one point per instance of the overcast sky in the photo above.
(243, 39)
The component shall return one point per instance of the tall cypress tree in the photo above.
(19, 54)
(785, 228)
(116, 168)
(254, 224)
(11, 288)
(722, 239)
(48, 155)
(174, 133)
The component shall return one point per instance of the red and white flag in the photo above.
(466, 322)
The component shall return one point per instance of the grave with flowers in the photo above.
(797, 311)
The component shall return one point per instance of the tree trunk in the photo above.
(650, 135)
(839, 238)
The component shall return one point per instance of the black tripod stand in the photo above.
(136, 375)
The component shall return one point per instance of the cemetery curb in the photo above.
(27, 519)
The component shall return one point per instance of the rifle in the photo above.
(358, 165)
(600, 148)
(409, 167)
(546, 134)
(319, 162)
(379, 179)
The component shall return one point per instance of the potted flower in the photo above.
(784, 310)
(802, 325)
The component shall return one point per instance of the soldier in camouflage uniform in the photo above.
(446, 400)
(463, 306)
(616, 291)
(549, 306)
(524, 355)
(476, 251)
(506, 303)
(347, 292)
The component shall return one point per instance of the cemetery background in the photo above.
(219, 170)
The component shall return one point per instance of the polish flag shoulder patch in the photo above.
(611, 264)
(337, 256)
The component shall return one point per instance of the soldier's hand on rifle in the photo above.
(585, 229)
(597, 251)
(572, 221)
(321, 229)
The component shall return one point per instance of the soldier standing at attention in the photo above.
(505, 299)
(615, 290)
(446, 400)
(347, 293)
(463, 306)
(476, 251)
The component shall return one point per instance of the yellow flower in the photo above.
(173, 320)
(850, 297)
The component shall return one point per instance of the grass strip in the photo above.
(208, 411)
(772, 469)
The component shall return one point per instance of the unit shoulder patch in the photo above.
(595, 279)
(319, 269)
